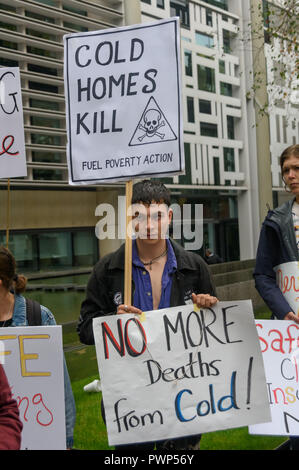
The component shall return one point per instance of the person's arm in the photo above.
(10, 423)
(96, 304)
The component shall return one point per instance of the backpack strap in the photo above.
(33, 312)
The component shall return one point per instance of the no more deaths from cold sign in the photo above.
(123, 103)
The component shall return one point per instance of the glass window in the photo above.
(218, 3)
(42, 104)
(74, 10)
(188, 63)
(205, 40)
(47, 157)
(146, 1)
(75, 26)
(205, 106)
(85, 248)
(230, 127)
(221, 66)
(41, 139)
(182, 11)
(8, 62)
(190, 109)
(42, 52)
(43, 87)
(36, 16)
(206, 78)
(8, 44)
(209, 17)
(41, 34)
(55, 249)
(226, 89)
(229, 159)
(216, 168)
(161, 4)
(208, 129)
(44, 70)
(23, 247)
(11, 27)
(186, 178)
(44, 121)
(47, 174)
(226, 41)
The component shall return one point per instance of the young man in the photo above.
(163, 275)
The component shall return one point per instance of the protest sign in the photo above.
(279, 343)
(12, 143)
(123, 103)
(180, 371)
(33, 361)
(287, 278)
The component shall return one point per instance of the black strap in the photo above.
(33, 312)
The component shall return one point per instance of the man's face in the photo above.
(290, 174)
(151, 222)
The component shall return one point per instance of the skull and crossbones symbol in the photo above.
(152, 123)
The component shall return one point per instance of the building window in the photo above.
(230, 127)
(43, 87)
(226, 89)
(188, 63)
(146, 1)
(209, 17)
(229, 159)
(205, 40)
(190, 109)
(221, 66)
(161, 4)
(42, 104)
(43, 139)
(209, 130)
(45, 121)
(186, 178)
(205, 106)
(47, 157)
(226, 41)
(206, 78)
(176, 9)
(218, 3)
(216, 168)
(47, 174)
(43, 70)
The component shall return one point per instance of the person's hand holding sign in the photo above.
(204, 300)
(128, 309)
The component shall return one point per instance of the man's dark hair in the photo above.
(291, 151)
(147, 191)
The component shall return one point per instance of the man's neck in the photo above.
(148, 251)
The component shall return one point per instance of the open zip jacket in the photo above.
(277, 245)
(105, 288)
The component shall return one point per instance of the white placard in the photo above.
(33, 361)
(12, 142)
(287, 278)
(279, 343)
(180, 372)
(123, 103)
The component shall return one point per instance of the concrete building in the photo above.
(227, 168)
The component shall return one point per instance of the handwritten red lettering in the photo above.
(286, 283)
(6, 146)
(36, 400)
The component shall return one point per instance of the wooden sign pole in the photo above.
(8, 213)
(128, 247)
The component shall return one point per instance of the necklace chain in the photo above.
(149, 263)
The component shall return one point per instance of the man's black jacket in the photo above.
(105, 288)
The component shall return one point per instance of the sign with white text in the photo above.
(279, 343)
(123, 103)
(12, 142)
(180, 371)
(33, 361)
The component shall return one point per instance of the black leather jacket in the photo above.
(105, 288)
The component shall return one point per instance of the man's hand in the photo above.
(292, 317)
(204, 300)
(128, 309)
